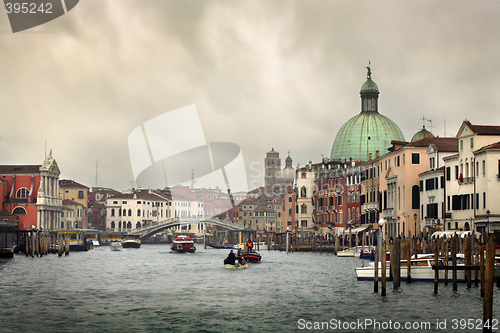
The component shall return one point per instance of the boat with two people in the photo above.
(235, 262)
(183, 244)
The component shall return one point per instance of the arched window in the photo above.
(138, 225)
(130, 212)
(303, 192)
(112, 212)
(129, 225)
(124, 212)
(415, 197)
(19, 211)
(119, 212)
(112, 224)
(289, 211)
(138, 212)
(348, 213)
(303, 209)
(119, 225)
(22, 193)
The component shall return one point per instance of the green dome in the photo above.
(368, 132)
(422, 134)
(363, 134)
(368, 86)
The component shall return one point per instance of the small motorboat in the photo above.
(236, 265)
(251, 257)
(115, 246)
(183, 244)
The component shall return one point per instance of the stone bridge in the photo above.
(151, 229)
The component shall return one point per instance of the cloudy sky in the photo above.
(262, 74)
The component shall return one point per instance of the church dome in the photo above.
(422, 134)
(367, 132)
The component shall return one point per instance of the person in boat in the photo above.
(249, 246)
(231, 258)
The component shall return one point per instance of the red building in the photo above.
(31, 192)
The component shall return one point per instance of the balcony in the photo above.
(466, 180)
(371, 206)
(389, 213)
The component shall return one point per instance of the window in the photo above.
(138, 212)
(19, 211)
(303, 209)
(403, 159)
(80, 194)
(448, 173)
(484, 200)
(289, 199)
(398, 160)
(303, 223)
(415, 158)
(431, 163)
(303, 175)
(461, 144)
(112, 212)
(130, 212)
(289, 223)
(22, 193)
(415, 197)
(472, 143)
(456, 171)
(115, 202)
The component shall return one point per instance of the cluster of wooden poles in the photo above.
(38, 243)
(479, 261)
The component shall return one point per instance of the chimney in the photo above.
(377, 153)
(369, 156)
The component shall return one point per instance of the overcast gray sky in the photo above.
(262, 74)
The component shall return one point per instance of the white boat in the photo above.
(420, 270)
(115, 246)
(183, 244)
(261, 246)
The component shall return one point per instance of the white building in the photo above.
(128, 211)
(472, 178)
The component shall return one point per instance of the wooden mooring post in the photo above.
(384, 268)
(488, 284)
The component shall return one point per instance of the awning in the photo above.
(357, 230)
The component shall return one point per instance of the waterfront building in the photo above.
(127, 211)
(472, 179)
(306, 189)
(289, 202)
(96, 213)
(72, 215)
(367, 133)
(31, 192)
(432, 184)
(71, 190)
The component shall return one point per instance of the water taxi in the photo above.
(77, 239)
(131, 241)
(183, 244)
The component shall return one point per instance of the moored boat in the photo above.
(421, 270)
(225, 246)
(183, 244)
(131, 241)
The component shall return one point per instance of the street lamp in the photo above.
(415, 217)
(488, 216)
(381, 223)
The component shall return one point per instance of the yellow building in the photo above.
(71, 190)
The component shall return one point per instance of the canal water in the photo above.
(153, 290)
